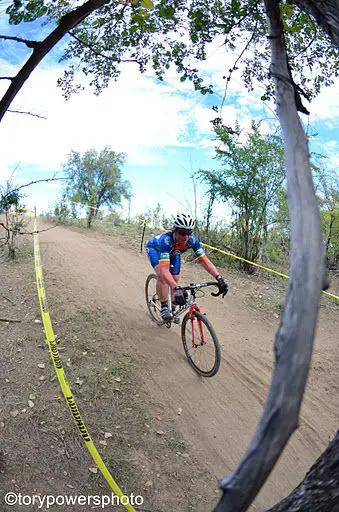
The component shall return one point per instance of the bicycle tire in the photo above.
(217, 350)
(153, 307)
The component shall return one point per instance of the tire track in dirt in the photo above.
(219, 415)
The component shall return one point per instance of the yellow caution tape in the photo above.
(86, 205)
(21, 209)
(70, 400)
(257, 265)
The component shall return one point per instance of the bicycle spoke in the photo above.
(153, 303)
(204, 352)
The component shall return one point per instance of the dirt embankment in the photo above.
(163, 432)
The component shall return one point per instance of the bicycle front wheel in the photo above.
(152, 300)
(201, 344)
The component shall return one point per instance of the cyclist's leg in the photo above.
(154, 256)
(162, 291)
(161, 287)
(175, 264)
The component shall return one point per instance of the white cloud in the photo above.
(325, 107)
(152, 122)
(134, 115)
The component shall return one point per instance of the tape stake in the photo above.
(60, 372)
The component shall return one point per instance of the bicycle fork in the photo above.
(193, 308)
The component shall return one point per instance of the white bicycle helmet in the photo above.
(183, 221)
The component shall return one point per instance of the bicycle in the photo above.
(201, 340)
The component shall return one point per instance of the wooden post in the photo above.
(142, 238)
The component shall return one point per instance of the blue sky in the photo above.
(163, 127)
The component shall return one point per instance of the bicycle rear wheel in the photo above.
(204, 354)
(152, 300)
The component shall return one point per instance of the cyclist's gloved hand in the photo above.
(179, 296)
(223, 286)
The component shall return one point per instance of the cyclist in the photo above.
(164, 252)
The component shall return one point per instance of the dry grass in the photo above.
(43, 451)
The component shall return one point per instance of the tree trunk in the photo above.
(329, 238)
(319, 491)
(245, 243)
(209, 210)
(326, 14)
(91, 216)
(11, 245)
(295, 336)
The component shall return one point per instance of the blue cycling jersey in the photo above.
(165, 250)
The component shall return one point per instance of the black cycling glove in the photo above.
(179, 296)
(223, 286)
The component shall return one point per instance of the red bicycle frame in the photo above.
(193, 308)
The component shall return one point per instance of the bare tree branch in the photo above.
(99, 54)
(5, 227)
(12, 320)
(28, 184)
(236, 62)
(27, 113)
(9, 230)
(294, 339)
(27, 42)
(66, 23)
(34, 232)
(6, 77)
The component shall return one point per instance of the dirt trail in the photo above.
(219, 415)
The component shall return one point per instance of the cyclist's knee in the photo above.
(160, 278)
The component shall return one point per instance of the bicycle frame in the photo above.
(193, 340)
(193, 308)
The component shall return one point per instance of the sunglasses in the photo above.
(184, 232)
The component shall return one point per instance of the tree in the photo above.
(211, 194)
(105, 34)
(10, 198)
(154, 217)
(328, 196)
(294, 339)
(251, 174)
(95, 179)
